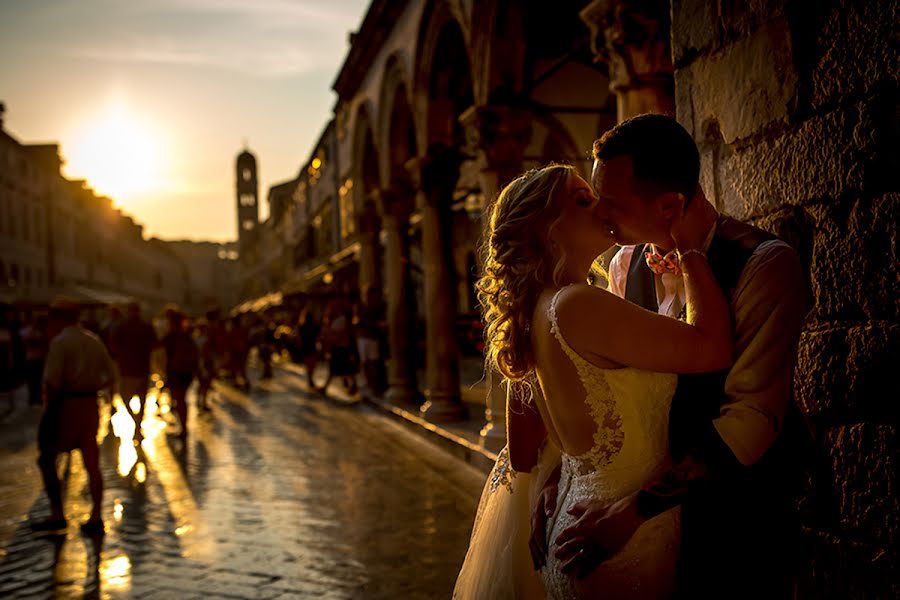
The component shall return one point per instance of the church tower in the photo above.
(247, 199)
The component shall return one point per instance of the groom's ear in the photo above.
(670, 204)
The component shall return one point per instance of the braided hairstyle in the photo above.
(519, 264)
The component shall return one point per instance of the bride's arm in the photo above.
(599, 325)
(525, 430)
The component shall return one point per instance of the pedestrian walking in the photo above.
(12, 353)
(207, 364)
(338, 343)
(78, 367)
(307, 348)
(370, 323)
(131, 344)
(182, 360)
(35, 341)
(238, 343)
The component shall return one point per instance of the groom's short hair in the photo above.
(663, 154)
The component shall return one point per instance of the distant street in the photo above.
(278, 494)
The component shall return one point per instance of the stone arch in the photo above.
(498, 50)
(443, 76)
(398, 139)
(557, 137)
(365, 171)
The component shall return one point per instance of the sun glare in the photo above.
(118, 154)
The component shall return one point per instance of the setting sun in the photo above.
(118, 154)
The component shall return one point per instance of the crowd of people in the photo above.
(71, 362)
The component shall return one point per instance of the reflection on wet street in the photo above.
(277, 494)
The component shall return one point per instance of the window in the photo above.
(248, 225)
(246, 174)
(38, 238)
(323, 225)
(247, 200)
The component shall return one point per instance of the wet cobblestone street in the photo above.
(277, 494)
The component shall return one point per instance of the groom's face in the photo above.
(634, 219)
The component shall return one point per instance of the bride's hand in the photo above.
(691, 224)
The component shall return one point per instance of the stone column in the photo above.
(497, 136)
(367, 226)
(435, 176)
(633, 38)
(394, 206)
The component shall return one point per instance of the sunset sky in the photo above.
(152, 100)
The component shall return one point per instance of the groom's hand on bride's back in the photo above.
(543, 510)
(599, 532)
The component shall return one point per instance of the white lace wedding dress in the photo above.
(631, 410)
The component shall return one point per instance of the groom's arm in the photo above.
(769, 304)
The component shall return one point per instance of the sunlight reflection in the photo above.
(118, 509)
(116, 572)
(135, 404)
(140, 473)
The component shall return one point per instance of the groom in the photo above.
(733, 434)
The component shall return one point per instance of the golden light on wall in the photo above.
(315, 167)
(345, 197)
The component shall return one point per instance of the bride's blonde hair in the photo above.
(518, 265)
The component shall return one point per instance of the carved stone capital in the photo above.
(501, 133)
(397, 201)
(632, 36)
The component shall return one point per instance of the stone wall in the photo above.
(795, 108)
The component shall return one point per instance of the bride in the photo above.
(591, 377)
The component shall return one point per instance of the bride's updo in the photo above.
(519, 263)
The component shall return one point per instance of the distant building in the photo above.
(57, 236)
(212, 269)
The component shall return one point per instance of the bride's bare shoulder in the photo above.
(583, 312)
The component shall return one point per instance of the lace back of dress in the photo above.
(609, 435)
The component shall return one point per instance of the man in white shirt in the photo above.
(77, 368)
(734, 435)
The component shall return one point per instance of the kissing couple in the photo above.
(651, 433)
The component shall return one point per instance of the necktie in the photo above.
(660, 264)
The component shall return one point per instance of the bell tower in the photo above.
(247, 198)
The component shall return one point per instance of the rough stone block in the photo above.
(693, 28)
(844, 48)
(823, 157)
(864, 461)
(840, 569)
(700, 26)
(855, 264)
(744, 87)
(847, 373)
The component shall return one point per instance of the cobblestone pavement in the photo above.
(277, 494)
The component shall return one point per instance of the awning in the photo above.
(89, 295)
(259, 304)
